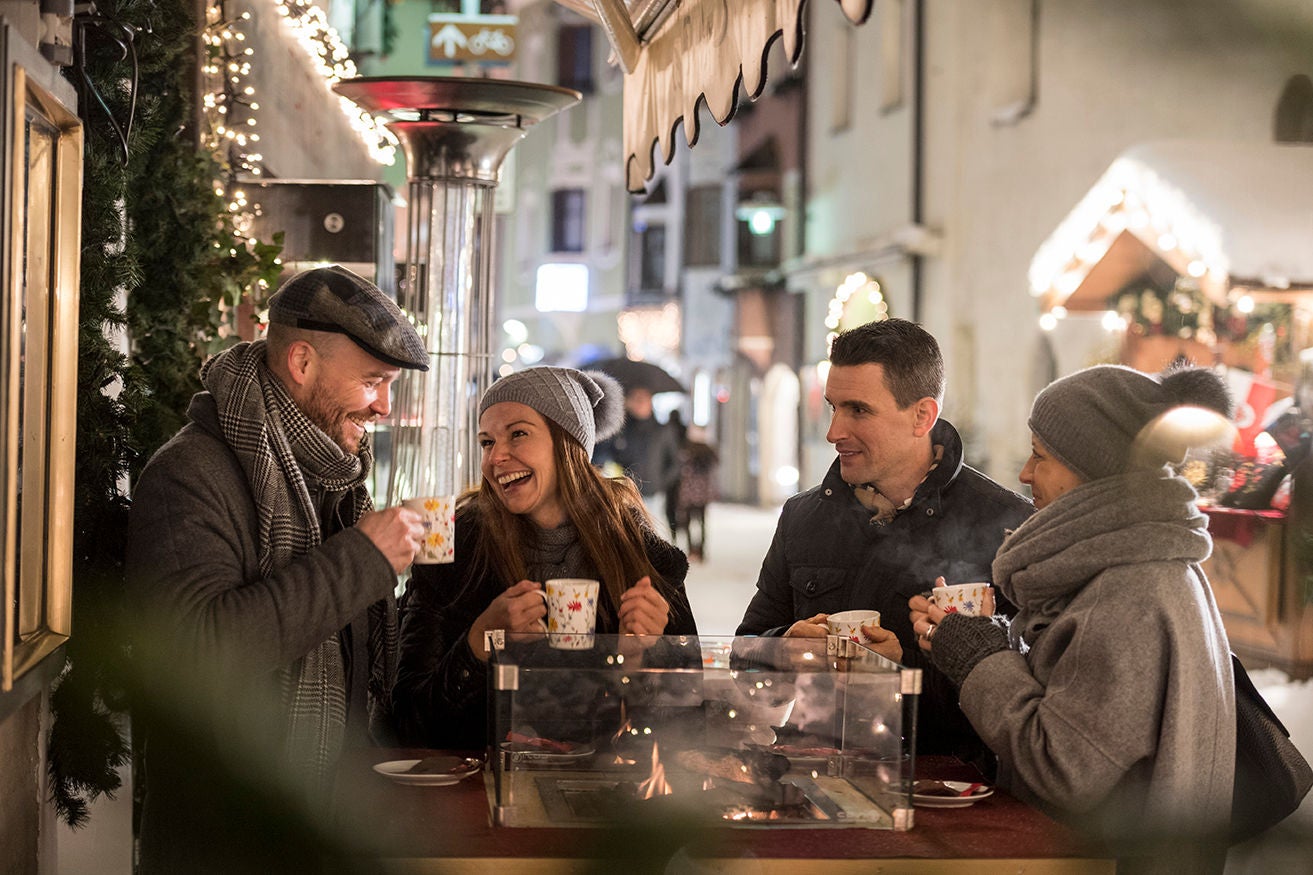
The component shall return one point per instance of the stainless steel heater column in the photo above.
(455, 132)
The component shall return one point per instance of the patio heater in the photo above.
(456, 132)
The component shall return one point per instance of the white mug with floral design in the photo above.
(967, 599)
(848, 624)
(438, 515)
(571, 612)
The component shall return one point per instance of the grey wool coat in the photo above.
(1115, 710)
(210, 633)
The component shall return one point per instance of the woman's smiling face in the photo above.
(520, 463)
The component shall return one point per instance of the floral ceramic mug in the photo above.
(848, 624)
(571, 612)
(962, 598)
(438, 515)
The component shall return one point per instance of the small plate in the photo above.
(930, 800)
(443, 770)
(528, 753)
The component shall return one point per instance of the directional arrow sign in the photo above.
(448, 40)
(488, 39)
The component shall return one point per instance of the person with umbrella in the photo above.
(645, 449)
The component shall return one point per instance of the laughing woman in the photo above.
(542, 511)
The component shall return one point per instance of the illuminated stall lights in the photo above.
(1130, 197)
(1113, 321)
(857, 300)
(331, 59)
(516, 330)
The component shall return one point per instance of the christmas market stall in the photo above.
(1203, 252)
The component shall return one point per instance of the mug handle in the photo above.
(546, 604)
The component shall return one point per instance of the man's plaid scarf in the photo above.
(289, 461)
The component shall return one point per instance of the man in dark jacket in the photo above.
(896, 510)
(262, 581)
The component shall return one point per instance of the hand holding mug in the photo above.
(812, 627)
(437, 514)
(571, 612)
(885, 643)
(520, 608)
(396, 532)
(925, 618)
(968, 599)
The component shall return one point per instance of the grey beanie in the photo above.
(589, 405)
(1091, 419)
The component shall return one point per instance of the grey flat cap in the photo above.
(335, 299)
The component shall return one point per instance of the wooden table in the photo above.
(447, 829)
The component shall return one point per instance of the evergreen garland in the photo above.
(155, 233)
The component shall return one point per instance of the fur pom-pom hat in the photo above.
(589, 405)
(1110, 419)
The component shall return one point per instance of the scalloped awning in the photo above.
(676, 54)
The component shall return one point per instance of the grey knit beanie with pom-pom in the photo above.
(1095, 421)
(589, 405)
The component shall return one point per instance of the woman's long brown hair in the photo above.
(607, 512)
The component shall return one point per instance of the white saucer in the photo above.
(928, 800)
(450, 773)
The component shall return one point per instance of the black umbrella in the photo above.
(637, 375)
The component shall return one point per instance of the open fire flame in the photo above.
(656, 783)
(625, 728)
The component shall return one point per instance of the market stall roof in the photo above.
(1230, 214)
(678, 54)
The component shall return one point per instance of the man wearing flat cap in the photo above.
(263, 579)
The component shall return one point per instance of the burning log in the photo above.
(761, 768)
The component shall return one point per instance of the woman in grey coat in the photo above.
(1109, 699)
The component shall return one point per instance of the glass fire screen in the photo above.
(734, 731)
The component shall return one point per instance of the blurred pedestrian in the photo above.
(645, 449)
(676, 425)
(699, 465)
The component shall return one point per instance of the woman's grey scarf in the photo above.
(288, 461)
(1122, 520)
(556, 552)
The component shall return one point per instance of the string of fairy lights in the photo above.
(229, 106)
(231, 110)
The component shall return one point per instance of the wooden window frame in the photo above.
(38, 356)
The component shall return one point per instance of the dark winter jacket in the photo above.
(212, 633)
(828, 556)
(440, 698)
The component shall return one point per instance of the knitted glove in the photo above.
(961, 641)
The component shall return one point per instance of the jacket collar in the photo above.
(930, 493)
